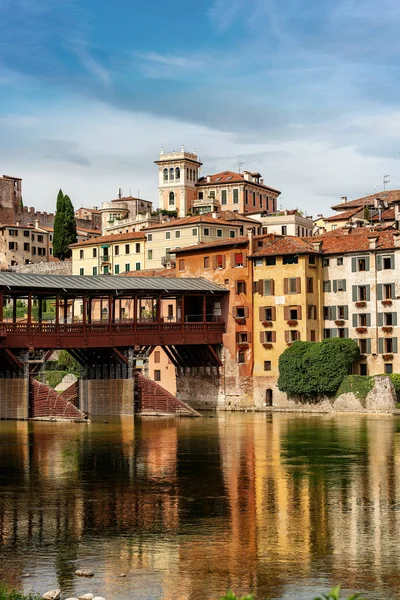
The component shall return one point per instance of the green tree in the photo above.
(308, 369)
(64, 227)
(367, 214)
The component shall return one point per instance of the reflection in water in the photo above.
(282, 505)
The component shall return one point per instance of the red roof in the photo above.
(238, 241)
(387, 215)
(163, 272)
(356, 240)
(344, 215)
(230, 177)
(386, 196)
(286, 245)
(118, 237)
(206, 218)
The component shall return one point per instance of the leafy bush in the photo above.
(395, 377)
(360, 385)
(68, 363)
(309, 369)
(13, 595)
(53, 378)
(334, 594)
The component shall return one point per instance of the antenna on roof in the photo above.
(130, 191)
(240, 165)
(386, 180)
(138, 193)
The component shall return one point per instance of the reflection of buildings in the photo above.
(191, 508)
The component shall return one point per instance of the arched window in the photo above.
(194, 175)
(187, 173)
(177, 173)
(191, 175)
(171, 198)
(165, 174)
(171, 174)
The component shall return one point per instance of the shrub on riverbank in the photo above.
(395, 377)
(13, 595)
(334, 594)
(310, 369)
(359, 385)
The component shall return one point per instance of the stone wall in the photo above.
(47, 268)
(101, 397)
(14, 398)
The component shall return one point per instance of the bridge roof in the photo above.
(105, 283)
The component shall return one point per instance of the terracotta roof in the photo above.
(387, 196)
(357, 242)
(118, 237)
(387, 215)
(13, 226)
(151, 273)
(230, 177)
(93, 210)
(344, 215)
(230, 215)
(286, 245)
(206, 218)
(130, 198)
(238, 241)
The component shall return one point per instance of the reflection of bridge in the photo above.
(108, 322)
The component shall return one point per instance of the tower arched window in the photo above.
(187, 173)
(165, 174)
(171, 174)
(177, 173)
(171, 198)
(191, 174)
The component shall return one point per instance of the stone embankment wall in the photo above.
(62, 267)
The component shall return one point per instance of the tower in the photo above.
(178, 173)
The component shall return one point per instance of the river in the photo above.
(282, 505)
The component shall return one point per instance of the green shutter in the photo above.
(354, 264)
(346, 332)
(394, 318)
(379, 262)
(346, 312)
(368, 340)
(393, 291)
(354, 292)
(355, 320)
(395, 345)
(335, 285)
(392, 261)
(380, 319)
(368, 319)
(379, 291)
(367, 263)
(380, 345)
(368, 292)
(333, 317)
(344, 284)
(334, 332)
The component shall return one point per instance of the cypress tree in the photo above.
(64, 227)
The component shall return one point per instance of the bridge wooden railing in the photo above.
(108, 328)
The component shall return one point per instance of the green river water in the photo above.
(281, 505)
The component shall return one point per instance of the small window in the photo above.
(388, 368)
(325, 262)
(206, 262)
(239, 260)
(206, 231)
(290, 260)
(242, 337)
(363, 346)
(311, 259)
(362, 292)
(232, 234)
(387, 291)
(240, 312)
(341, 312)
(388, 342)
(339, 261)
(219, 232)
(270, 261)
(327, 286)
(258, 262)
(223, 197)
(310, 285)
(361, 264)
(94, 252)
(94, 271)
(235, 196)
(81, 254)
(194, 232)
(127, 249)
(157, 356)
(219, 261)
(116, 269)
(363, 369)
(313, 336)
(387, 262)
(267, 365)
(105, 270)
(362, 319)
(292, 287)
(167, 235)
(177, 234)
(149, 254)
(116, 250)
(26, 233)
(240, 287)
(149, 237)
(268, 287)
(157, 374)
(137, 267)
(40, 238)
(137, 248)
(81, 271)
(127, 267)
(26, 247)
(284, 230)
(388, 318)
(241, 357)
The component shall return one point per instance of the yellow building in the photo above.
(109, 254)
(287, 301)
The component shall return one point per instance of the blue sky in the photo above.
(305, 91)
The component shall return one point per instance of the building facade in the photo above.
(21, 245)
(178, 174)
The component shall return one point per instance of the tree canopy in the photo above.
(64, 227)
(315, 369)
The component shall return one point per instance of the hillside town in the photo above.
(290, 276)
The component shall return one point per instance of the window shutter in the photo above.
(233, 261)
(214, 260)
(368, 344)
(299, 312)
(298, 285)
(273, 336)
(234, 312)
(262, 337)
(260, 287)
(392, 261)
(328, 286)
(244, 287)
(394, 318)
(249, 336)
(393, 291)
(237, 337)
(395, 345)
(285, 285)
(272, 287)
(368, 319)
(334, 285)
(355, 320)
(286, 313)
(346, 332)
(244, 259)
(346, 313)
(368, 291)
(287, 336)
(380, 319)
(354, 264)
(379, 291)
(344, 284)
(334, 332)
(246, 311)
(273, 311)
(261, 313)
(380, 345)
(367, 263)
(333, 313)
(379, 262)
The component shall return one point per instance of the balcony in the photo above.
(105, 259)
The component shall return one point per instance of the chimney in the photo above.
(36, 224)
(317, 246)
(250, 235)
(262, 181)
(373, 241)
(247, 176)
(344, 199)
(18, 223)
(208, 178)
